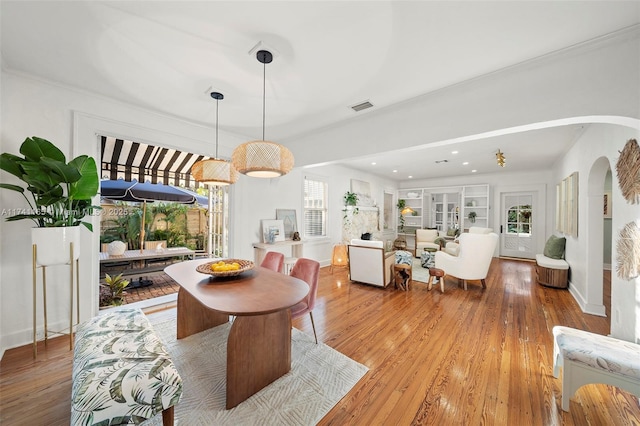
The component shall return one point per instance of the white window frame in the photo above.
(324, 209)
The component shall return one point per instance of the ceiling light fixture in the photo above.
(262, 158)
(500, 158)
(215, 171)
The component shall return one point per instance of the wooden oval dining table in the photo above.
(259, 344)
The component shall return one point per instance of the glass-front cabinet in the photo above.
(445, 208)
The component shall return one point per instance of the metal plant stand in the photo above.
(44, 298)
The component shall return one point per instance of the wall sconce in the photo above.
(500, 158)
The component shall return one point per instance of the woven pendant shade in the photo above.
(262, 159)
(214, 172)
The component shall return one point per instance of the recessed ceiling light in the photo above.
(410, 177)
(473, 171)
(395, 171)
(454, 152)
(373, 163)
(465, 163)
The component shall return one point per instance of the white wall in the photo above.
(584, 252)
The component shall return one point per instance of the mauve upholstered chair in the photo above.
(273, 260)
(307, 270)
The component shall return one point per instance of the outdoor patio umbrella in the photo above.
(122, 190)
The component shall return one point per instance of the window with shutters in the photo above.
(315, 208)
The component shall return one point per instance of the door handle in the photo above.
(501, 229)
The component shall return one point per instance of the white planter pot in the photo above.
(116, 248)
(53, 244)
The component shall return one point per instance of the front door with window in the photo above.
(517, 238)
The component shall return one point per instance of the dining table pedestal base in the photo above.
(258, 353)
(258, 347)
(194, 317)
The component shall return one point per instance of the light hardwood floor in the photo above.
(461, 358)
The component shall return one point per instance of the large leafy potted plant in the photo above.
(58, 194)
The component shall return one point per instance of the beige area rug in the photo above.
(320, 377)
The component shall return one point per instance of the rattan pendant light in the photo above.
(262, 158)
(215, 171)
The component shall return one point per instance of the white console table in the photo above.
(261, 249)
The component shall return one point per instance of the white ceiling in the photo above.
(166, 56)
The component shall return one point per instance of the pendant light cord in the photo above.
(264, 94)
(217, 102)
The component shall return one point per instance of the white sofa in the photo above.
(453, 247)
(473, 260)
(368, 262)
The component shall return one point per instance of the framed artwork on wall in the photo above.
(567, 205)
(272, 230)
(607, 204)
(290, 223)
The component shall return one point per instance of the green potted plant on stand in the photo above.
(60, 198)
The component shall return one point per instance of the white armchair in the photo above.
(473, 259)
(368, 262)
(425, 238)
(453, 247)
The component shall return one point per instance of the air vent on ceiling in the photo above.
(362, 105)
(441, 161)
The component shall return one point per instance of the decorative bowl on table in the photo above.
(225, 267)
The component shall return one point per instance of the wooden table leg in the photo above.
(258, 353)
(193, 317)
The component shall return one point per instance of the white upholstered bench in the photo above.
(122, 373)
(588, 358)
(552, 272)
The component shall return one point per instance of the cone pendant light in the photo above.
(215, 171)
(262, 158)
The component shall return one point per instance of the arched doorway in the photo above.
(595, 240)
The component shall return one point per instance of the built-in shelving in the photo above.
(444, 208)
(413, 198)
(475, 199)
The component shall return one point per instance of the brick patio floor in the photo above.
(162, 286)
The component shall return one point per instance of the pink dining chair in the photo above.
(273, 260)
(307, 270)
